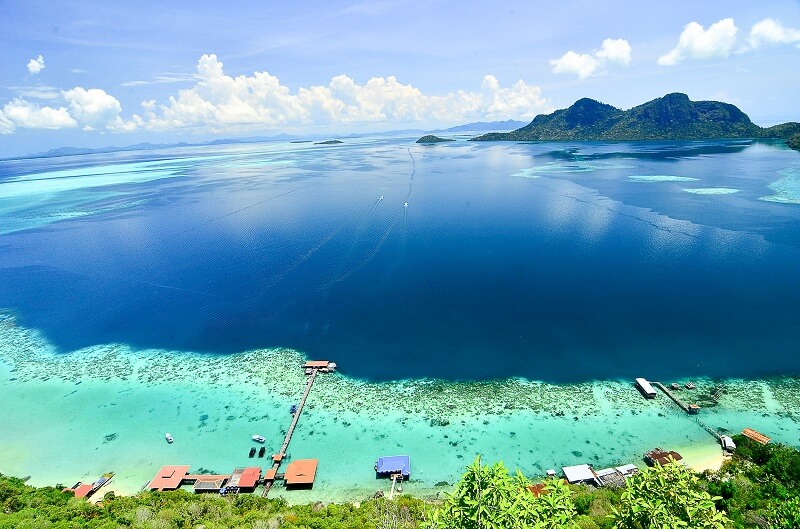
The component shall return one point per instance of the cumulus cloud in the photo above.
(696, 42)
(36, 65)
(770, 32)
(585, 65)
(92, 108)
(23, 114)
(218, 100)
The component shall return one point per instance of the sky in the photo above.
(89, 74)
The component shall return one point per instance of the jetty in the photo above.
(691, 409)
(312, 368)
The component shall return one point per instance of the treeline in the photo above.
(758, 488)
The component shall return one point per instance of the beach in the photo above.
(72, 416)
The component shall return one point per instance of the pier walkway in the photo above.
(688, 408)
(278, 458)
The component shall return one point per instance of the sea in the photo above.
(479, 298)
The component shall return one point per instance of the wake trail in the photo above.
(369, 257)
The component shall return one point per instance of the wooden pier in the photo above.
(691, 409)
(312, 368)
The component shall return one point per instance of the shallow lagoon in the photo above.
(73, 417)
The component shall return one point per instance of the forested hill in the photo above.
(672, 117)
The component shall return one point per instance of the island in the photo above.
(328, 142)
(430, 138)
(794, 142)
(672, 117)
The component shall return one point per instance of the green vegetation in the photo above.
(430, 138)
(672, 117)
(794, 142)
(758, 488)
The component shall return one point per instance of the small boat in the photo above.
(261, 451)
(690, 385)
(675, 385)
(405, 205)
(380, 198)
(293, 409)
(168, 437)
(259, 439)
(252, 452)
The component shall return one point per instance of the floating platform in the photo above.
(756, 436)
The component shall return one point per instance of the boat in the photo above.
(380, 198)
(168, 437)
(261, 451)
(690, 385)
(293, 409)
(405, 205)
(252, 452)
(675, 385)
(259, 439)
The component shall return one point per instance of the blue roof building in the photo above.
(394, 465)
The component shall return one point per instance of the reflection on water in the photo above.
(557, 262)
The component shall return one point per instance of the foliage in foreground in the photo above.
(487, 497)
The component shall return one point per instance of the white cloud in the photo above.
(21, 113)
(92, 108)
(770, 32)
(696, 42)
(220, 101)
(36, 65)
(585, 65)
(615, 50)
(581, 64)
(164, 78)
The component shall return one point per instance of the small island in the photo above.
(328, 142)
(430, 138)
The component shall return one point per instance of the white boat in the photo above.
(380, 198)
(405, 205)
(168, 437)
(259, 439)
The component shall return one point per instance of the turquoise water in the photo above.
(106, 408)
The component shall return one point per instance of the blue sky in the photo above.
(87, 73)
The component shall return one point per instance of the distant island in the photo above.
(672, 117)
(430, 138)
(487, 126)
(328, 142)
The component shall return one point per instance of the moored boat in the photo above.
(168, 437)
(259, 439)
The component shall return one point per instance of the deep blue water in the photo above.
(580, 273)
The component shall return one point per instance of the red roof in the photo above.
(169, 477)
(249, 477)
(317, 363)
(269, 474)
(81, 491)
(301, 472)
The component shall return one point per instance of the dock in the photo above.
(691, 409)
(312, 368)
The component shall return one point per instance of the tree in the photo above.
(487, 497)
(667, 497)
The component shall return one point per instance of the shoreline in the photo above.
(115, 403)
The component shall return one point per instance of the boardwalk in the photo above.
(688, 408)
(278, 458)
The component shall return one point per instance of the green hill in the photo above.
(430, 138)
(672, 117)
